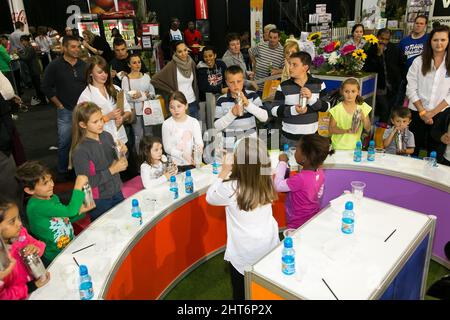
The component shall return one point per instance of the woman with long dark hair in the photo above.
(428, 87)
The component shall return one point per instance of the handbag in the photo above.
(132, 119)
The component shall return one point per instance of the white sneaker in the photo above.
(35, 101)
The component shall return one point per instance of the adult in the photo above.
(266, 31)
(115, 33)
(18, 68)
(193, 39)
(441, 134)
(245, 45)
(267, 58)
(179, 75)
(356, 38)
(173, 35)
(119, 64)
(45, 43)
(63, 82)
(14, 37)
(101, 91)
(97, 45)
(383, 59)
(290, 47)
(410, 48)
(429, 86)
(234, 57)
(68, 31)
(138, 89)
(5, 58)
(211, 78)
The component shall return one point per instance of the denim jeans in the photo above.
(103, 205)
(193, 109)
(64, 122)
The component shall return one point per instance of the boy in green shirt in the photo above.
(50, 220)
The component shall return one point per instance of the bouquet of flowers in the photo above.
(334, 58)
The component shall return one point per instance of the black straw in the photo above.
(83, 248)
(390, 235)
(329, 288)
(75, 261)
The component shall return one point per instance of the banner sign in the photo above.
(256, 21)
(201, 9)
(18, 12)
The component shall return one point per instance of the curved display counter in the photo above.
(132, 261)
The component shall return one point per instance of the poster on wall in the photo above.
(256, 21)
(105, 6)
(372, 11)
(440, 11)
(18, 12)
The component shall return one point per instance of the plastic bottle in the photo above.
(188, 183)
(215, 166)
(434, 156)
(288, 257)
(286, 151)
(174, 187)
(371, 151)
(348, 218)
(86, 288)
(136, 210)
(357, 156)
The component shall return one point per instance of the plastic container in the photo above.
(188, 183)
(136, 210)
(288, 257)
(357, 155)
(86, 288)
(174, 187)
(348, 219)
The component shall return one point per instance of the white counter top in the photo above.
(354, 266)
(114, 234)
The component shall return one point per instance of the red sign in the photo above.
(201, 9)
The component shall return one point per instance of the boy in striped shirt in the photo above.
(235, 120)
(298, 118)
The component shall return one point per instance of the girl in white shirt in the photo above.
(139, 84)
(181, 133)
(428, 87)
(103, 93)
(247, 195)
(154, 168)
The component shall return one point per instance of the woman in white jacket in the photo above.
(103, 93)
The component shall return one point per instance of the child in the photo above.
(50, 220)
(400, 118)
(29, 57)
(154, 170)
(181, 133)
(251, 228)
(93, 154)
(340, 128)
(15, 281)
(234, 120)
(296, 120)
(305, 189)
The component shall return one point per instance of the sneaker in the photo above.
(35, 101)
(14, 116)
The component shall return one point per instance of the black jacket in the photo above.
(211, 79)
(438, 129)
(374, 63)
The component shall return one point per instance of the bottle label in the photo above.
(175, 192)
(357, 156)
(370, 155)
(347, 225)
(189, 187)
(215, 168)
(88, 293)
(288, 264)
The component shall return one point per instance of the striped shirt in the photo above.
(232, 127)
(266, 59)
(288, 95)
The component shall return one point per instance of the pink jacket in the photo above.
(14, 285)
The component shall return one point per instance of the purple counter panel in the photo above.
(397, 191)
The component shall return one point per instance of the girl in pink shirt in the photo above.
(305, 189)
(13, 280)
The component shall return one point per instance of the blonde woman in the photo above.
(290, 47)
(97, 45)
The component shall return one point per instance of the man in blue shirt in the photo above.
(410, 48)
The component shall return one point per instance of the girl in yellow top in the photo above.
(342, 136)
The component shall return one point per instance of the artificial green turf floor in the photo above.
(211, 281)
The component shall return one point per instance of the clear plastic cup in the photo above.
(358, 189)
(380, 152)
(429, 162)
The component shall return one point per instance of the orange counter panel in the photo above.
(260, 293)
(174, 244)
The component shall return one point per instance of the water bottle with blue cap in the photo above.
(86, 289)
(174, 187)
(348, 218)
(136, 210)
(288, 257)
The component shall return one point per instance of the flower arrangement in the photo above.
(335, 58)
